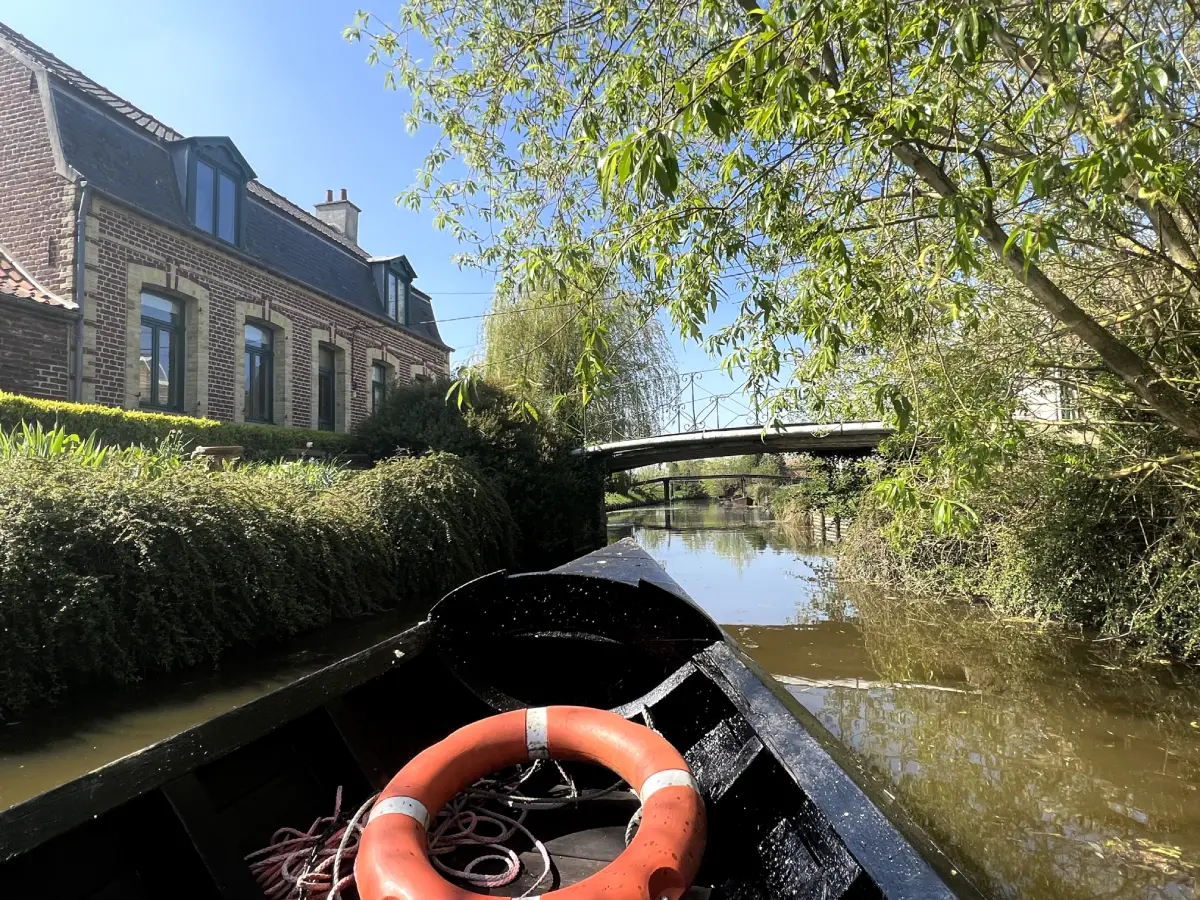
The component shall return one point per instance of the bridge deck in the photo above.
(837, 439)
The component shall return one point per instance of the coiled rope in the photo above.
(308, 865)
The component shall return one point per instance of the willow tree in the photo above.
(587, 364)
(943, 196)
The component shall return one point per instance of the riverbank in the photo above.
(1047, 540)
(1047, 765)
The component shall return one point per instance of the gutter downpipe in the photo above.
(85, 206)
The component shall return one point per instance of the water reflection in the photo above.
(1045, 764)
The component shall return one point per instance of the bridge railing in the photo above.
(686, 404)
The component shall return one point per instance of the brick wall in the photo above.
(34, 350)
(37, 203)
(126, 251)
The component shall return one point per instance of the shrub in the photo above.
(122, 427)
(454, 525)
(555, 498)
(826, 485)
(1053, 542)
(109, 572)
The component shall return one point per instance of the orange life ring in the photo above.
(659, 863)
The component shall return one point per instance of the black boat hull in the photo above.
(790, 814)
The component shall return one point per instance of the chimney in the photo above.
(341, 215)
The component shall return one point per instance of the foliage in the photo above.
(120, 427)
(1056, 542)
(831, 485)
(554, 497)
(928, 211)
(581, 360)
(109, 572)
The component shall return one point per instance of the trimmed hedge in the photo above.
(125, 427)
(105, 576)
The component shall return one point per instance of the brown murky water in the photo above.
(88, 731)
(1046, 765)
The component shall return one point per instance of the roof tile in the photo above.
(15, 282)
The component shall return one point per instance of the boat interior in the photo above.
(179, 818)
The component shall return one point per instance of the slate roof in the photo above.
(15, 282)
(124, 153)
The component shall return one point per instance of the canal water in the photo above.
(1045, 764)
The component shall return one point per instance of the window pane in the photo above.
(325, 361)
(396, 310)
(165, 368)
(325, 401)
(204, 196)
(160, 309)
(258, 337)
(251, 369)
(227, 209)
(145, 365)
(258, 386)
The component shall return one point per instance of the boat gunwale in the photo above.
(45, 816)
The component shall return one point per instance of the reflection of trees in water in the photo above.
(1058, 778)
(736, 534)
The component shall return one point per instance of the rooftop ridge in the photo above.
(296, 211)
(155, 128)
(82, 83)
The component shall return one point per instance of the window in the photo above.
(326, 382)
(215, 205)
(379, 383)
(206, 177)
(1068, 402)
(397, 297)
(394, 295)
(260, 373)
(226, 208)
(160, 377)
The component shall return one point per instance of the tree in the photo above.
(949, 198)
(537, 343)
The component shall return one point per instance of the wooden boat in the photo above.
(790, 815)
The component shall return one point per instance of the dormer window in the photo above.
(213, 175)
(216, 203)
(393, 277)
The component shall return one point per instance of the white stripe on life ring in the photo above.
(401, 806)
(665, 779)
(537, 738)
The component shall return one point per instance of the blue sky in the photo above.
(300, 103)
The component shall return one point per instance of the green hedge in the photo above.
(556, 499)
(105, 576)
(127, 427)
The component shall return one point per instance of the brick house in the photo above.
(196, 289)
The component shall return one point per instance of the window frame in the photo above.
(267, 356)
(175, 373)
(327, 382)
(219, 171)
(378, 366)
